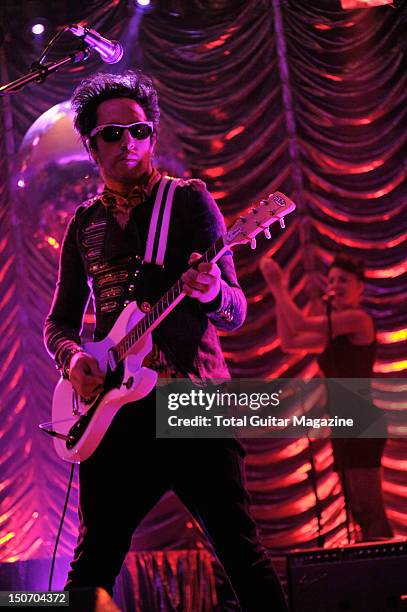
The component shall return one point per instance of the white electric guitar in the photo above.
(78, 426)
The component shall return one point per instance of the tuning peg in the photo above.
(254, 210)
(267, 233)
(282, 223)
(253, 243)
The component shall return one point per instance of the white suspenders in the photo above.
(160, 222)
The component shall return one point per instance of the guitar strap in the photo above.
(160, 222)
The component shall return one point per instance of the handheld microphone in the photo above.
(110, 51)
(328, 296)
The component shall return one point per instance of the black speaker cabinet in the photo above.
(366, 577)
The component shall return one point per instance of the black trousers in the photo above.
(126, 477)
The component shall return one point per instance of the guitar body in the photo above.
(129, 383)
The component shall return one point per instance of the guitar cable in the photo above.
(61, 525)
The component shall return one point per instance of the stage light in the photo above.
(357, 4)
(143, 2)
(38, 29)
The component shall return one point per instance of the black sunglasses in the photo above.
(112, 132)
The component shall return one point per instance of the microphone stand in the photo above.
(328, 306)
(312, 476)
(40, 71)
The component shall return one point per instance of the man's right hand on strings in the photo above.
(85, 375)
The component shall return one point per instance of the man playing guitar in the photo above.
(104, 246)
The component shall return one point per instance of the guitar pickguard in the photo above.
(113, 380)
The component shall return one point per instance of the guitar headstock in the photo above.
(273, 208)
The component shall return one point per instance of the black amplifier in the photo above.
(368, 577)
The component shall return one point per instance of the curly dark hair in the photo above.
(349, 263)
(104, 86)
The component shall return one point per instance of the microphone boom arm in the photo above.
(41, 71)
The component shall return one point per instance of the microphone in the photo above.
(110, 51)
(328, 296)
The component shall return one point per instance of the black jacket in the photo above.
(99, 258)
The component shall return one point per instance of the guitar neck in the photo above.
(258, 219)
(164, 306)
